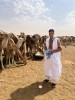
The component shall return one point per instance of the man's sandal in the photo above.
(46, 81)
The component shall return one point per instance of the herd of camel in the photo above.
(21, 47)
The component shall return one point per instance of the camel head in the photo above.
(3, 35)
(22, 34)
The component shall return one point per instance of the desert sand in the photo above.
(21, 83)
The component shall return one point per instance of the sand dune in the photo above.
(21, 83)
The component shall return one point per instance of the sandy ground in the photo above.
(21, 83)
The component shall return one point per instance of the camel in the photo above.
(29, 43)
(2, 36)
(23, 46)
(42, 41)
(8, 44)
(20, 43)
(33, 44)
(67, 40)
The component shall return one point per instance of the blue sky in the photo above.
(60, 8)
(38, 16)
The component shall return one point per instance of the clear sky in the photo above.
(38, 16)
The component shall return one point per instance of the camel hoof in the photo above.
(25, 63)
(3, 68)
(15, 64)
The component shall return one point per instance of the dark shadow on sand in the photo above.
(31, 91)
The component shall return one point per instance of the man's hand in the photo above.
(50, 53)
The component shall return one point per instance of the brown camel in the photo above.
(8, 44)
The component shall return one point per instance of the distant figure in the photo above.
(52, 62)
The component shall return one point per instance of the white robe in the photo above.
(53, 65)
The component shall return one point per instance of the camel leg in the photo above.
(26, 48)
(19, 54)
(1, 60)
(23, 50)
(30, 51)
(7, 58)
(12, 56)
(65, 45)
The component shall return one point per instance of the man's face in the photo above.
(51, 34)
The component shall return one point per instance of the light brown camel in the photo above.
(20, 43)
(8, 44)
(2, 36)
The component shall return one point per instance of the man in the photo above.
(53, 64)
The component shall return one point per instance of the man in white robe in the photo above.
(53, 64)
